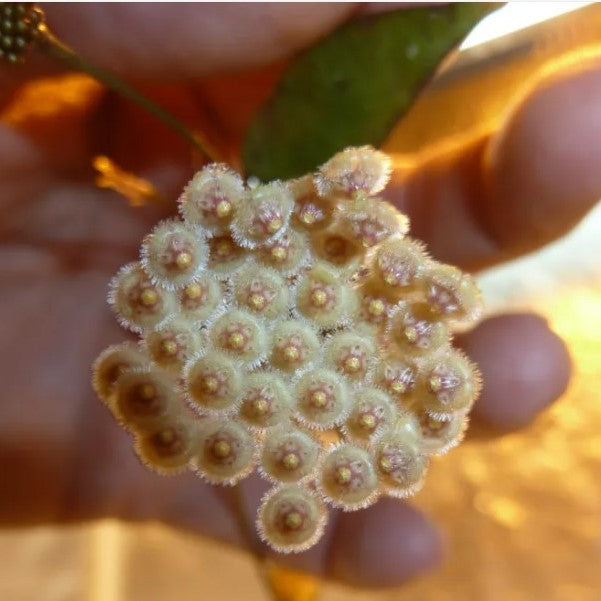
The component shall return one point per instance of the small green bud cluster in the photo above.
(19, 22)
(292, 328)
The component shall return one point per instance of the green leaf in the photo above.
(353, 87)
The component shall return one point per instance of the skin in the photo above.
(62, 457)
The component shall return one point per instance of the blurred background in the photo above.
(522, 514)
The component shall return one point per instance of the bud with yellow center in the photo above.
(183, 260)
(168, 348)
(193, 291)
(147, 392)
(149, 297)
(352, 364)
(318, 298)
(294, 520)
(291, 461)
(343, 475)
(319, 398)
(222, 449)
(223, 208)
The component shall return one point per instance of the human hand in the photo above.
(62, 456)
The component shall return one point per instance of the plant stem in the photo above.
(48, 43)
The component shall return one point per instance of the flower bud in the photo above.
(226, 454)
(241, 335)
(294, 345)
(199, 300)
(261, 291)
(212, 197)
(172, 345)
(439, 437)
(112, 363)
(397, 266)
(145, 399)
(348, 479)
(370, 415)
(451, 294)
(173, 254)
(290, 519)
(212, 381)
(416, 333)
(448, 384)
(138, 303)
(265, 400)
(289, 455)
(368, 222)
(374, 307)
(168, 448)
(310, 212)
(264, 216)
(322, 399)
(401, 467)
(350, 353)
(398, 378)
(354, 170)
(322, 298)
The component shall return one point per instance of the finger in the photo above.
(525, 367)
(191, 40)
(519, 189)
(384, 545)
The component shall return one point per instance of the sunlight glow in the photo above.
(515, 16)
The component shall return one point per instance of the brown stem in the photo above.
(48, 43)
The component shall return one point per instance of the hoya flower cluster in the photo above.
(294, 328)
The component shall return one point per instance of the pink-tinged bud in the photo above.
(372, 412)
(212, 197)
(398, 265)
(449, 384)
(264, 216)
(348, 479)
(451, 294)
(322, 399)
(265, 400)
(350, 353)
(416, 332)
(354, 170)
(322, 298)
(262, 291)
(289, 455)
(212, 382)
(138, 303)
(368, 223)
(400, 464)
(173, 254)
(226, 454)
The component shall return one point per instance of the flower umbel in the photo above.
(277, 318)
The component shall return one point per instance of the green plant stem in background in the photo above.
(50, 45)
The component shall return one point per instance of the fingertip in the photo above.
(384, 545)
(542, 168)
(525, 368)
